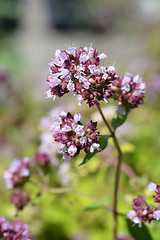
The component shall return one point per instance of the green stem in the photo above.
(105, 121)
(117, 174)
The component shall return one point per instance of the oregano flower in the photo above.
(72, 136)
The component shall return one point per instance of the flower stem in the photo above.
(117, 174)
(104, 119)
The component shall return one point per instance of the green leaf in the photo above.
(37, 199)
(103, 144)
(138, 233)
(92, 206)
(118, 120)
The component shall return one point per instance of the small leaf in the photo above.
(138, 233)
(103, 144)
(118, 120)
(37, 199)
(93, 206)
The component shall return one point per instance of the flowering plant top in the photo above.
(80, 71)
(141, 211)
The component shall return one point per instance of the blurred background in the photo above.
(128, 31)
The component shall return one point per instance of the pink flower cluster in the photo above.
(80, 71)
(72, 136)
(155, 188)
(14, 231)
(142, 212)
(41, 159)
(17, 173)
(128, 90)
(20, 198)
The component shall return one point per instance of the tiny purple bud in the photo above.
(20, 198)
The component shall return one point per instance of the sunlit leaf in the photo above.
(37, 199)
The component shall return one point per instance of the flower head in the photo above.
(41, 159)
(79, 70)
(15, 231)
(129, 90)
(155, 188)
(17, 173)
(142, 212)
(20, 198)
(72, 136)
